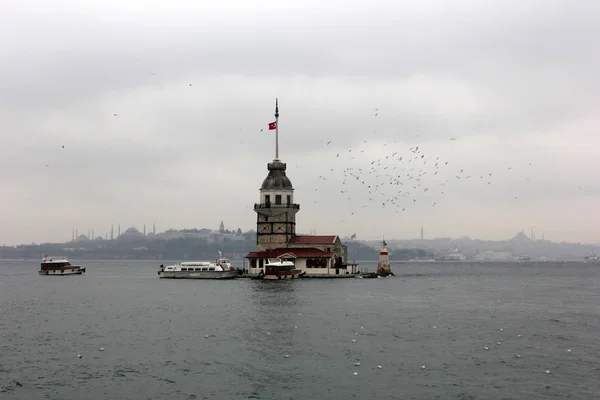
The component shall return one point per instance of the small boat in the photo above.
(280, 270)
(59, 266)
(220, 269)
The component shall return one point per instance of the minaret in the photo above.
(421, 232)
(112, 232)
(276, 211)
(383, 266)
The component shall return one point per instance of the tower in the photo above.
(383, 266)
(112, 232)
(222, 227)
(144, 229)
(421, 232)
(276, 210)
(154, 228)
(119, 230)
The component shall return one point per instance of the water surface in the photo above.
(189, 339)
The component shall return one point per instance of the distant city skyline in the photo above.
(420, 235)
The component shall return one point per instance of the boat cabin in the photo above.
(273, 268)
(193, 266)
(49, 263)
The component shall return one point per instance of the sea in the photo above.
(433, 331)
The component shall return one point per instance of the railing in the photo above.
(273, 205)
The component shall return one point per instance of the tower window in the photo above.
(289, 199)
(267, 199)
(277, 199)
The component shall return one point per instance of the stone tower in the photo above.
(276, 210)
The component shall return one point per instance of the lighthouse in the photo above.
(276, 236)
(383, 266)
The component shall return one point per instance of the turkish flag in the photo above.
(272, 125)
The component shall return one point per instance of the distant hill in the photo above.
(170, 245)
(519, 245)
(187, 244)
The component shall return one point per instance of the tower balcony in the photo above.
(267, 206)
(272, 209)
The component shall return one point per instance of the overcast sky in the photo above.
(193, 84)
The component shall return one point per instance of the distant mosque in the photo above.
(276, 236)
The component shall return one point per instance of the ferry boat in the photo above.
(59, 266)
(422, 260)
(220, 269)
(280, 270)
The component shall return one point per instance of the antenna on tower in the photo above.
(276, 129)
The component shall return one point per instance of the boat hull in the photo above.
(199, 274)
(281, 276)
(63, 272)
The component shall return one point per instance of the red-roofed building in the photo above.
(276, 232)
(317, 255)
(312, 240)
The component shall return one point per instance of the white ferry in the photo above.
(422, 260)
(220, 269)
(277, 270)
(59, 266)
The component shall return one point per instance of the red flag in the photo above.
(272, 126)
(353, 236)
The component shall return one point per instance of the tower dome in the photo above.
(276, 179)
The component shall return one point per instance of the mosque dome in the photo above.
(276, 179)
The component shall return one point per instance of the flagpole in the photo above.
(276, 130)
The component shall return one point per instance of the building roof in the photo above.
(277, 179)
(298, 253)
(329, 239)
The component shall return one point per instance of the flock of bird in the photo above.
(396, 179)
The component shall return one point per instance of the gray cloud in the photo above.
(515, 82)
